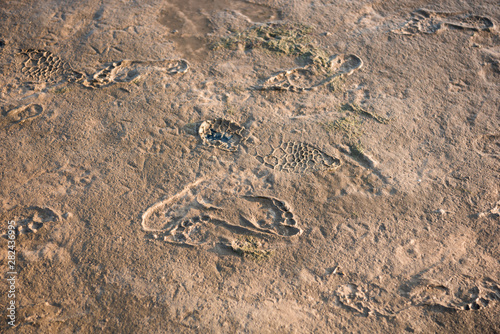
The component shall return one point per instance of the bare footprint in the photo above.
(222, 134)
(461, 293)
(170, 212)
(427, 21)
(129, 70)
(190, 218)
(209, 212)
(490, 70)
(298, 157)
(469, 22)
(313, 76)
(269, 215)
(30, 219)
(203, 230)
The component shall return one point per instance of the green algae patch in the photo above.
(250, 247)
(349, 127)
(357, 109)
(281, 38)
(284, 39)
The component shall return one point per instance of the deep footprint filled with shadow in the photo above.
(222, 134)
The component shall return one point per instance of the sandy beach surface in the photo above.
(265, 166)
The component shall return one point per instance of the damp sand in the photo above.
(251, 166)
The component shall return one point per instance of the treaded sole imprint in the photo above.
(299, 157)
(41, 66)
(44, 66)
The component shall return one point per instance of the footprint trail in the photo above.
(44, 67)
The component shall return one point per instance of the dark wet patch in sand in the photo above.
(189, 21)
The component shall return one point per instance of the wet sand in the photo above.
(250, 167)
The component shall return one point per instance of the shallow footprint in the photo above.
(470, 22)
(167, 214)
(312, 77)
(203, 230)
(464, 294)
(489, 145)
(24, 113)
(298, 157)
(493, 212)
(355, 298)
(30, 219)
(222, 134)
(190, 217)
(208, 212)
(269, 215)
(40, 314)
(129, 70)
(427, 21)
(345, 64)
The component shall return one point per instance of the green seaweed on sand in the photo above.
(249, 246)
(357, 109)
(349, 127)
(357, 149)
(336, 83)
(280, 38)
(60, 90)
